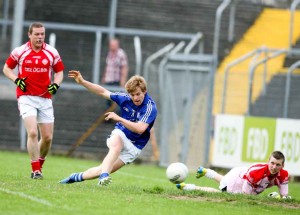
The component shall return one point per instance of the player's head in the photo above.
(276, 162)
(114, 45)
(36, 34)
(278, 155)
(136, 87)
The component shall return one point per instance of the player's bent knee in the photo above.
(32, 134)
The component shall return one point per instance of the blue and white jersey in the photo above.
(146, 112)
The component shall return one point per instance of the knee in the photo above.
(32, 134)
(47, 138)
(115, 147)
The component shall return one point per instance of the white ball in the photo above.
(177, 172)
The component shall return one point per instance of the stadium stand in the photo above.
(271, 103)
(271, 29)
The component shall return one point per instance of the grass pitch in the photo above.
(136, 189)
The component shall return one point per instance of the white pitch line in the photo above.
(32, 198)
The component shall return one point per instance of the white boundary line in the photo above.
(32, 198)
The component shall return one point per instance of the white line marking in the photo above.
(32, 198)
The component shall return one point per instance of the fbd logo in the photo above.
(227, 139)
(258, 140)
(290, 145)
(257, 144)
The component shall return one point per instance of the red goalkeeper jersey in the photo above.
(260, 178)
(37, 67)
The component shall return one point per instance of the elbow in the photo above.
(140, 131)
(140, 128)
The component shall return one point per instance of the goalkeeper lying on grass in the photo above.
(248, 180)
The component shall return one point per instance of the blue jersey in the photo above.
(146, 112)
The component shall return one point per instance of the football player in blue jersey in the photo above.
(131, 132)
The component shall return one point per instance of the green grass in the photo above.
(136, 189)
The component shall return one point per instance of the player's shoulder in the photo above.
(148, 100)
(149, 106)
(283, 173)
(258, 170)
(21, 49)
(50, 48)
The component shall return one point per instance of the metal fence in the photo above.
(184, 78)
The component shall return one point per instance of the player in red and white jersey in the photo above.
(35, 61)
(248, 180)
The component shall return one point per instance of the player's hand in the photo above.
(111, 115)
(20, 82)
(52, 88)
(76, 76)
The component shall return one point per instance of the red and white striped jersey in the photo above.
(37, 67)
(259, 178)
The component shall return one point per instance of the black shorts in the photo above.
(224, 189)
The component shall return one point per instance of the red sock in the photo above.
(42, 160)
(35, 165)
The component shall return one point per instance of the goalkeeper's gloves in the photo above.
(52, 88)
(277, 196)
(20, 82)
(274, 195)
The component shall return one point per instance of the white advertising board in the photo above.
(228, 140)
(240, 141)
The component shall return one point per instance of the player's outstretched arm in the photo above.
(93, 88)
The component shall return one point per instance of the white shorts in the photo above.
(129, 152)
(37, 106)
(233, 180)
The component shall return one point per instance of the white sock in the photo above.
(189, 187)
(211, 174)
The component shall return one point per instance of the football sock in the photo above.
(35, 165)
(189, 187)
(184, 186)
(42, 160)
(77, 177)
(211, 174)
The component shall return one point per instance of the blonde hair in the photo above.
(134, 82)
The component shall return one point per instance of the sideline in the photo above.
(32, 198)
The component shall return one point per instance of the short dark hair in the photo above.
(278, 155)
(35, 25)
